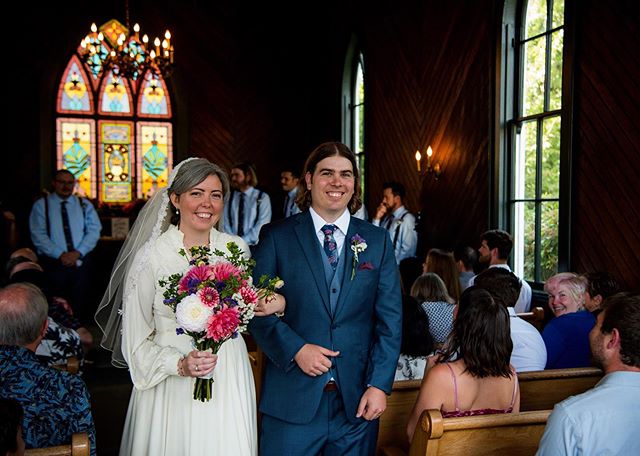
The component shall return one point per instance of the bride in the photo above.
(163, 418)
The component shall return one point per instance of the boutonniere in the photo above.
(358, 245)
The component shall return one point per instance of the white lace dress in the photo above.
(163, 418)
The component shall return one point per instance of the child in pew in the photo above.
(480, 381)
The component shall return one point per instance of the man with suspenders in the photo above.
(397, 220)
(65, 229)
(248, 208)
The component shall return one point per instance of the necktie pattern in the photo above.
(330, 246)
(66, 227)
(241, 215)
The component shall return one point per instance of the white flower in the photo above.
(192, 314)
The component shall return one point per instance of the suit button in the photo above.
(334, 326)
(334, 290)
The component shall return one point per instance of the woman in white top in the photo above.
(163, 418)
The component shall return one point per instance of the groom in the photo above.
(333, 354)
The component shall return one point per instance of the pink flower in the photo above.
(209, 296)
(249, 295)
(223, 270)
(194, 277)
(223, 324)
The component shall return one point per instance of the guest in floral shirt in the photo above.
(56, 404)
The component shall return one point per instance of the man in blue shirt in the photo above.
(248, 208)
(56, 403)
(65, 229)
(605, 419)
(397, 220)
(289, 180)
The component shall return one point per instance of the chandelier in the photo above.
(113, 48)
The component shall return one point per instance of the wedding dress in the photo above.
(163, 418)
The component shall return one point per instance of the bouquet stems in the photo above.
(202, 390)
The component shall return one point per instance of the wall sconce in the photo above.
(430, 168)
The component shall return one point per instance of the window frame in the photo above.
(509, 108)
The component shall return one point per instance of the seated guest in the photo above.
(416, 341)
(466, 258)
(442, 263)
(56, 404)
(605, 419)
(481, 380)
(600, 285)
(567, 335)
(429, 289)
(529, 352)
(60, 342)
(11, 441)
(59, 308)
(551, 286)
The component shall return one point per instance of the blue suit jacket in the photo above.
(365, 327)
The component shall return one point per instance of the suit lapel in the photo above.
(309, 245)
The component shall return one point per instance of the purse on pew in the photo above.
(79, 446)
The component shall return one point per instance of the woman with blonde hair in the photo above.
(567, 335)
(431, 292)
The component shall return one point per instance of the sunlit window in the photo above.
(534, 137)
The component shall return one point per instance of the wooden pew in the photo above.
(535, 317)
(79, 446)
(512, 434)
(539, 390)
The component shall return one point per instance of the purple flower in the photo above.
(179, 331)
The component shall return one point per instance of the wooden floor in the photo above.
(110, 388)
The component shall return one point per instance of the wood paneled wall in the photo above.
(251, 84)
(606, 211)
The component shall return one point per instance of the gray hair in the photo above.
(23, 311)
(190, 174)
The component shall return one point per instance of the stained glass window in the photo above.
(154, 144)
(76, 152)
(102, 136)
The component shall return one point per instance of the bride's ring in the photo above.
(197, 368)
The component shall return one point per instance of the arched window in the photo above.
(353, 107)
(114, 134)
(536, 136)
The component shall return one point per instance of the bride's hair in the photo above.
(153, 220)
(192, 173)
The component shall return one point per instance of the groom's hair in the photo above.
(325, 150)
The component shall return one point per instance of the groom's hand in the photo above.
(372, 404)
(313, 359)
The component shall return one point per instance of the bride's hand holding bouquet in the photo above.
(213, 302)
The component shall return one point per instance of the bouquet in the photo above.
(214, 300)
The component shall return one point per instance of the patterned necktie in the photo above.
(241, 215)
(65, 226)
(330, 246)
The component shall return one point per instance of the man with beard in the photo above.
(495, 248)
(604, 419)
(248, 208)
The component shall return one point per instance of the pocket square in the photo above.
(366, 266)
